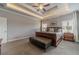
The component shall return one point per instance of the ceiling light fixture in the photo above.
(40, 6)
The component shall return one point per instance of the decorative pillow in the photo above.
(51, 30)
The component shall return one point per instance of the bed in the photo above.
(56, 37)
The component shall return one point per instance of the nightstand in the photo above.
(69, 36)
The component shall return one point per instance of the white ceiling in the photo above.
(51, 10)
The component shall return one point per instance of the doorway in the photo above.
(3, 29)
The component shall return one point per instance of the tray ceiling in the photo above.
(53, 10)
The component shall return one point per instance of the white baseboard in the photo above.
(3, 42)
(18, 39)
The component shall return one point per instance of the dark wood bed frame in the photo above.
(50, 36)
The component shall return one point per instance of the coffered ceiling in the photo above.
(53, 10)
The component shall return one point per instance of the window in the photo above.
(67, 26)
(44, 27)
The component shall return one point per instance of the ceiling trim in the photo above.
(30, 8)
(15, 7)
(9, 11)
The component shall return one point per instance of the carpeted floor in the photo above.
(24, 47)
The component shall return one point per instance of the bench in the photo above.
(41, 42)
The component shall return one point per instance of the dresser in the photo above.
(69, 36)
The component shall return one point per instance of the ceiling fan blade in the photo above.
(46, 5)
(44, 9)
(35, 6)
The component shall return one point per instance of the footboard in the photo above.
(49, 36)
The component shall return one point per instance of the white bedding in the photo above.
(58, 34)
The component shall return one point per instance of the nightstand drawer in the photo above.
(69, 36)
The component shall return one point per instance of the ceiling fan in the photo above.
(40, 6)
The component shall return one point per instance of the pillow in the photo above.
(51, 30)
(59, 30)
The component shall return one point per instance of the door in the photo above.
(3, 29)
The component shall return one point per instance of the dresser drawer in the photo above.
(69, 36)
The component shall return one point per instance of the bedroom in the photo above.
(25, 19)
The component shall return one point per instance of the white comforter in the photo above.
(58, 34)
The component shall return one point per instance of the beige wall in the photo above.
(59, 19)
(19, 26)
